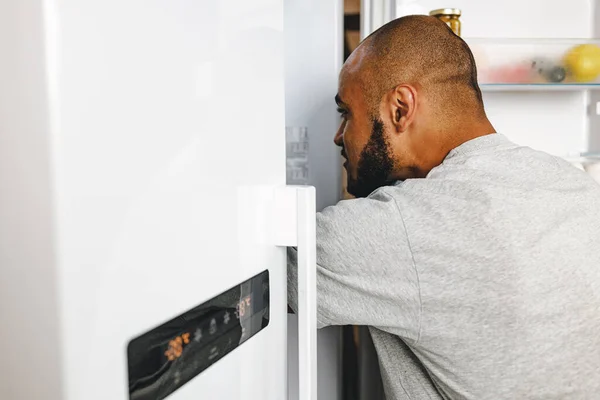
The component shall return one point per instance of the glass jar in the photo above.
(451, 16)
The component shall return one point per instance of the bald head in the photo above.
(421, 51)
(408, 95)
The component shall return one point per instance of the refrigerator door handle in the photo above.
(307, 293)
(295, 225)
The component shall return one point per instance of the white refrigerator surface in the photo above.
(141, 145)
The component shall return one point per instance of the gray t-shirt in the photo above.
(481, 281)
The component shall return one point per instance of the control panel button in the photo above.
(214, 352)
(198, 335)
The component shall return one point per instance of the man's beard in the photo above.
(374, 164)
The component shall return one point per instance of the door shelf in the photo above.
(537, 64)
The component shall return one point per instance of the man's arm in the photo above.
(365, 271)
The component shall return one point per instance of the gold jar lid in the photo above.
(446, 11)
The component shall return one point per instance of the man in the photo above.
(475, 262)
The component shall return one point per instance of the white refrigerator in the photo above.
(144, 211)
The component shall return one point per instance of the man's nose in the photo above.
(339, 136)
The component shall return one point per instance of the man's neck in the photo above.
(452, 139)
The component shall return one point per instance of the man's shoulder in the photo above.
(379, 203)
(362, 234)
(508, 166)
(372, 217)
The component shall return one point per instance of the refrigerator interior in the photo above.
(546, 118)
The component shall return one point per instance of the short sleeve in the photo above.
(365, 271)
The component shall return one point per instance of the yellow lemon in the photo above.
(583, 62)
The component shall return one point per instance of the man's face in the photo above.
(364, 142)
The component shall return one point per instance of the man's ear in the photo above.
(400, 107)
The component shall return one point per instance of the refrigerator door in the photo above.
(295, 225)
(313, 59)
(142, 144)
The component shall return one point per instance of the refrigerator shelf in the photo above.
(537, 64)
(583, 157)
(525, 87)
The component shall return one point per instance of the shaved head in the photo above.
(408, 95)
(422, 51)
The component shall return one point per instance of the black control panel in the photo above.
(165, 358)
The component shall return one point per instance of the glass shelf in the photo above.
(583, 157)
(528, 87)
(537, 64)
